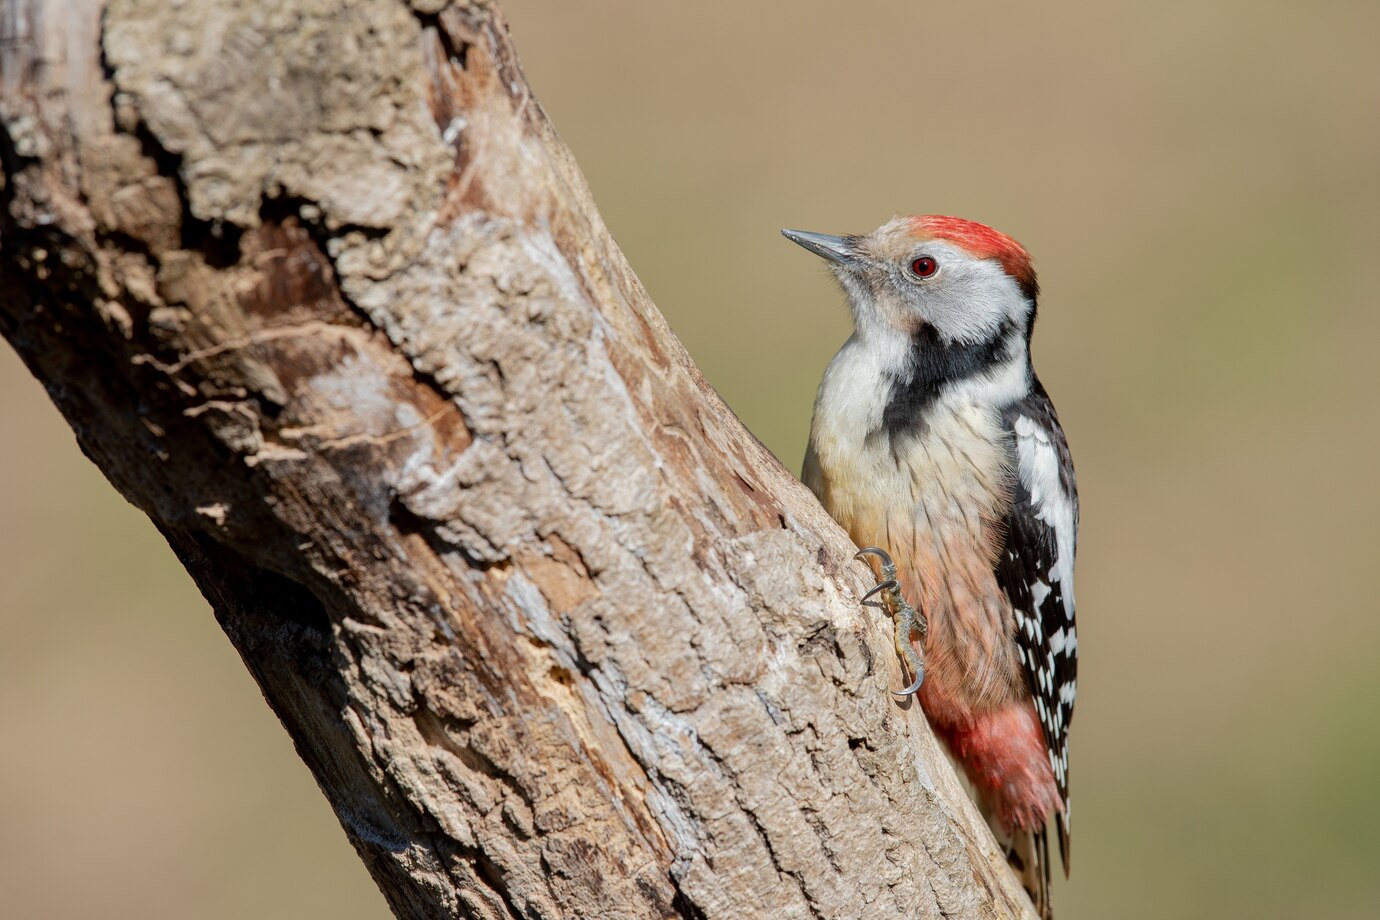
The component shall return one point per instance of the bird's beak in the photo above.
(834, 248)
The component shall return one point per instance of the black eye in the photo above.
(924, 267)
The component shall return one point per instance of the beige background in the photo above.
(1200, 189)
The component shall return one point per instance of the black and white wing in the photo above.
(1036, 571)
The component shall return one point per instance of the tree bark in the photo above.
(319, 289)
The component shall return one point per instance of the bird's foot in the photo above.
(907, 620)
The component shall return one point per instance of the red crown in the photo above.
(981, 241)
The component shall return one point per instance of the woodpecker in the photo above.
(935, 446)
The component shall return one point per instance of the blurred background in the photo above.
(1200, 185)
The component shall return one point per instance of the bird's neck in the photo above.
(940, 376)
(884, 386)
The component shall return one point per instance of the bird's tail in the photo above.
(1065, 851)
(1027, 851)
(1028, 854)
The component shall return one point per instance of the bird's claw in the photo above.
(889, 585)
(905, 617)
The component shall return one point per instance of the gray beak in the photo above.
(834, 248)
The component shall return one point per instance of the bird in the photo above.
(935, 446)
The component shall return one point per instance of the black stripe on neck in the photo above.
(932, 363)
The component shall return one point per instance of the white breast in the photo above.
(953, 469)
(932, 497)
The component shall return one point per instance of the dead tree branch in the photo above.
(319, 289)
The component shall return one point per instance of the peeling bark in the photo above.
(319, 289)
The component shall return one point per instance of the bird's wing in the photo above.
(1035, 569)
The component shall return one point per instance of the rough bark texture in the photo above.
(319, 289)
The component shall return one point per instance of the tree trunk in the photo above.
(319, 289)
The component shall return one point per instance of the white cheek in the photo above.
(970, 300)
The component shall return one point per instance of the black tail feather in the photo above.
(1065, 848)
(1028, 854)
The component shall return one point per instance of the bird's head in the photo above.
(954, 281)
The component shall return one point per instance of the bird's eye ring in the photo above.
(924, 267)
